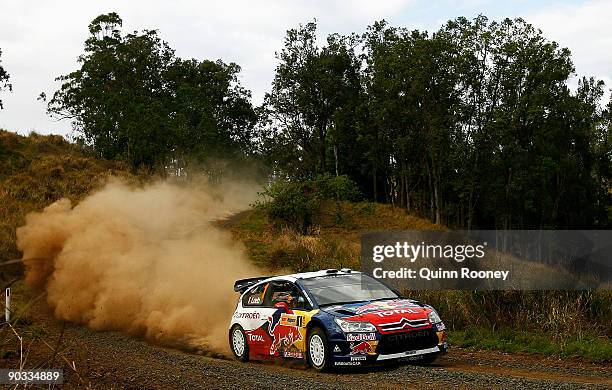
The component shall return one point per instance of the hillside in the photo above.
(37, 170)
(332, 243)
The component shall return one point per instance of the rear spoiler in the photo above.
(242, 284)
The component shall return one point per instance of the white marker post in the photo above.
(7, 305)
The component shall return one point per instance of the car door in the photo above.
(287, 325)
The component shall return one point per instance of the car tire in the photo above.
(238, 343)
(317, 350)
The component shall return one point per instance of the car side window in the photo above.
(288, 292)
(255, 296)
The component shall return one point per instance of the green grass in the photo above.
(589, 347)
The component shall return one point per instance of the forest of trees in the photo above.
(473, 126)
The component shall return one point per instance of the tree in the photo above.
(313, 95)
(473, 126)
(212, 113)
(133, 99)
(4, 80)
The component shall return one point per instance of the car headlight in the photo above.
(434, 318)
(355, 326)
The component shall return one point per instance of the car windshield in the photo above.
(340, 289)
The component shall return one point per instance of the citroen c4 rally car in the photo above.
(331, 318)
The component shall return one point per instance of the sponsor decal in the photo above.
(360, 336)
(358, 358)
(247, 315)
(337, 348)
(293, 354)
(384, 305)
(408, 337)
(362, 348)
(387, 313)
(440, 327)
(255, 337)
(291, 320)
(411, 358)
(283, 335)
(347, 363)
(254, 300)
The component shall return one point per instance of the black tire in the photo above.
(313, 355)
(237, 332)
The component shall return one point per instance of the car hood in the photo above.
(386, 315)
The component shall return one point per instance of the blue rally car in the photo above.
(332, 318)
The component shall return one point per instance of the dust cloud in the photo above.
(148, 261)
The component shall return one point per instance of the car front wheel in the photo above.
(238, 343)
(318, 350)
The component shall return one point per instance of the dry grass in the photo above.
(333, 242)
(38, 170)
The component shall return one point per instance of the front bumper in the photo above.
(378, 348)
(442, 348)
(369, 359)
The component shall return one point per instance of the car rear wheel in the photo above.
(317, 350)
(238, 343)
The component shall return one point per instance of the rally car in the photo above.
(332, 318)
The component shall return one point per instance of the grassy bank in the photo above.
(37, 170)
(589, 346)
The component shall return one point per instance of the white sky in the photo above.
(41, 40)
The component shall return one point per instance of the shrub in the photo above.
(296, 204)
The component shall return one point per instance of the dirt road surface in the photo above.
(110, 360)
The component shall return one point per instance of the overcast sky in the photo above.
(41, 40)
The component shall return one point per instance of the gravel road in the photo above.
(110, 360)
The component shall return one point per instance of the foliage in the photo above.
(472, 126)
(4, 79)
(314, 96)
(133, 99)
(296, 204)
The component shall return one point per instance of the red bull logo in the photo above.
(283, 336)
(362, 348)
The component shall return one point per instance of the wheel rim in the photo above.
(317, 350)
(238, 342)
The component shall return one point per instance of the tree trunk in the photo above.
(431, 196)
(336, 158)
(436, 190)
(374, 190)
